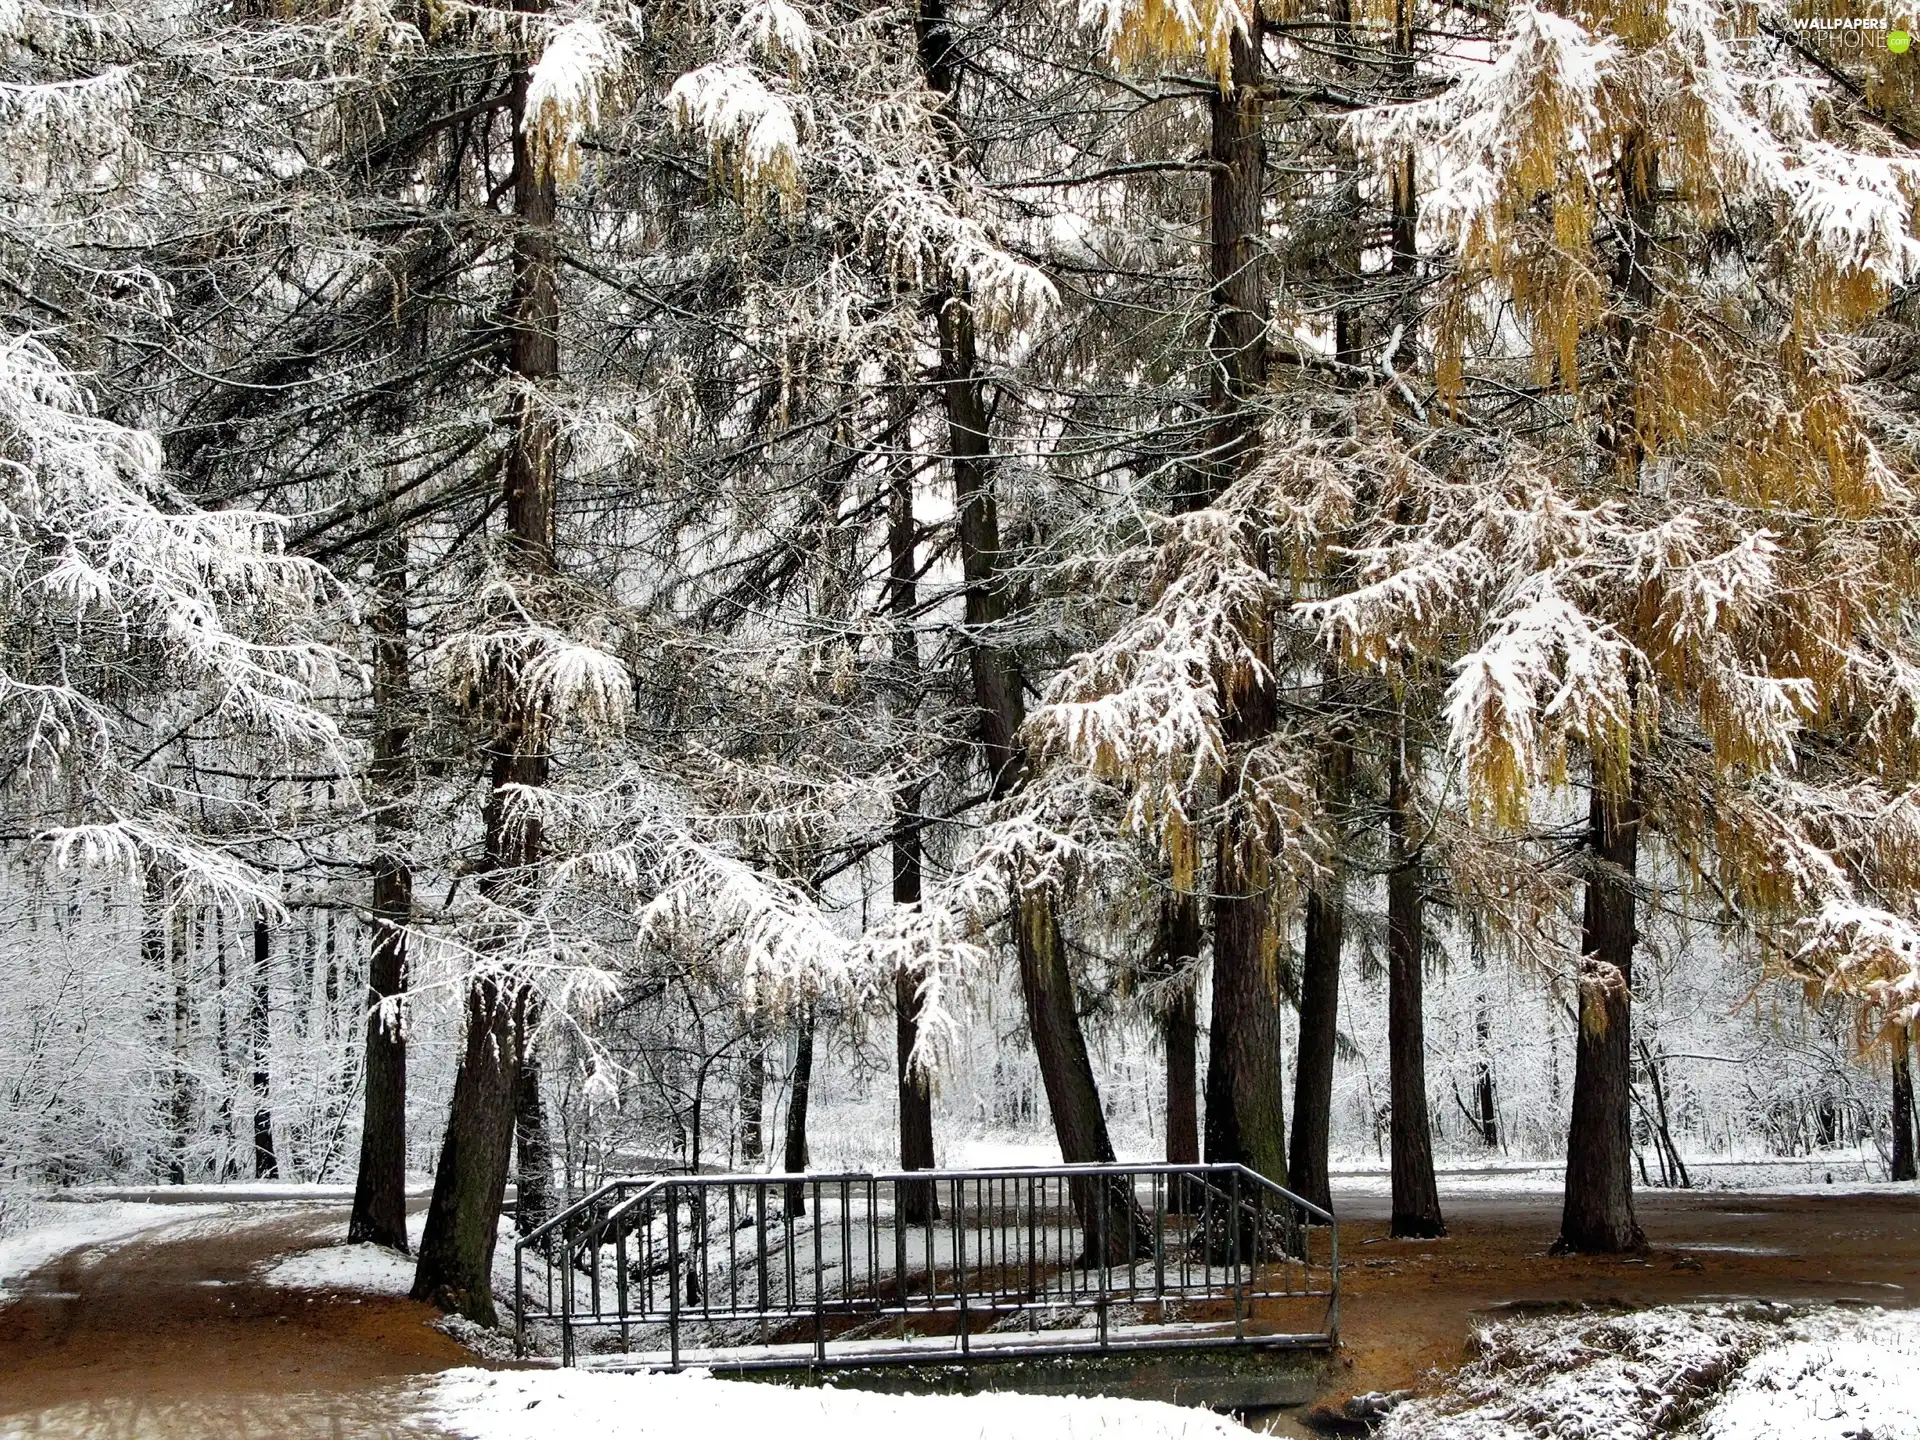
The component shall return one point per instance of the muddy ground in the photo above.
(173, 1334)
(1408, 1306)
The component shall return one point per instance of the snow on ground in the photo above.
(56, 1229)
(537, 1405)
(1827, 1175)
(1843, 1375)
(313, 1190)
(1722, 1372)
(369, 1269)
(372, 1269)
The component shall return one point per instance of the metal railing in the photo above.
(747, 1271)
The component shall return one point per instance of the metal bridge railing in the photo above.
(746, 1271)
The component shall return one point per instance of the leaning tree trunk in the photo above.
(455, 1270)
(1903, 1136)
(380, 1192)
(1416, 1195)
(918, 1202)
(456, 1251)
(1597, 1217)
(1066, 1070)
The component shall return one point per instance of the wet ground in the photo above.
(172, 1335)
(1408, 1306)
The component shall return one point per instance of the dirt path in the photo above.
(173, 1335)
(1407, 1307)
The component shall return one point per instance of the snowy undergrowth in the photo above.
(536, 1405)
(1732, 1372)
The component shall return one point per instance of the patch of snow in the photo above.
(1694, 1249)
(368, 1269)
(58, 1230)
(371, 1269)
(536, 1405)
(1844, 1375)
(1722, 1372)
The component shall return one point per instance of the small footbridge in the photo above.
(738, 1273)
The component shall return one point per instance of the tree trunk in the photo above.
(180, 1087)
(797, 1094)
(1598, 1217)
(1061, 1050)
(456, 1252)
(533, 1143)
(1489, 1118)
(266, 1163)
(918, 1203)
(1179, 1027)
(1903, 1135)
(1319, 1012)
(1313, 1065)
(1179, 949)
(753, 1099)
(380, 1192)
(1416, 1195)
(1237, 293)
(1246, 1114)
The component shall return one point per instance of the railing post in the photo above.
(566, 1293)
(1162, 1193)
(519, 1301)
(1239, 1280)
(1333, 1282)
(900, 1250)
(620, 1280)
(760, 1251)
(819, 1319)
(960, 1263)
(1103, 1197)
(673, 1277)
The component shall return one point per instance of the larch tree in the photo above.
(1647, 578)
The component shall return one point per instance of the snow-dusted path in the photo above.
(159, 1324)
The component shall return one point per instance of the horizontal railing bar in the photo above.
(986, 1351)
(840, 1311)
(1006, 1172)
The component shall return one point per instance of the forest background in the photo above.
(588, 583)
